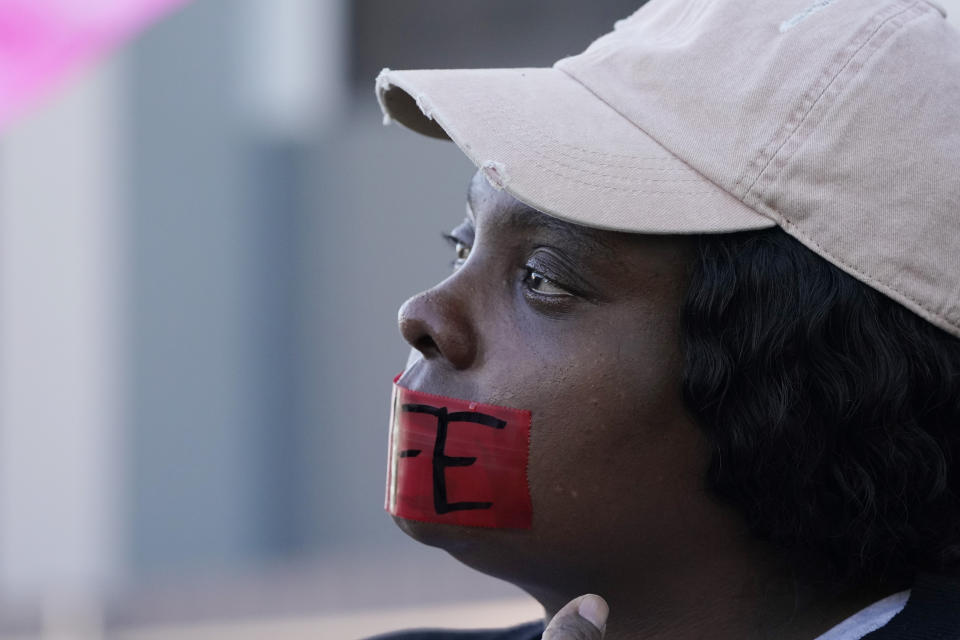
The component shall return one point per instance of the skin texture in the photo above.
(581, 327)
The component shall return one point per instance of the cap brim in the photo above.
(548, 141)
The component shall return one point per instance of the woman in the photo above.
(700, 350)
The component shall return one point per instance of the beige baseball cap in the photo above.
(836, 120)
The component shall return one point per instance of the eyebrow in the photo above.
(588, 238)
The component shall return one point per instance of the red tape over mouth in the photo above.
(457, 462)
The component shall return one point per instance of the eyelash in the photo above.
(532, 274)
(458, 247)
(462, 252)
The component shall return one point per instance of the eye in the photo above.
(539, 283)
(461, 250)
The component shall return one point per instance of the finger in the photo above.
(583, 618)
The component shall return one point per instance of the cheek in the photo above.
(612, 433)
(592, 448)
(608, 428)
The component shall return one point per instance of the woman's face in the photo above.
(579, 326)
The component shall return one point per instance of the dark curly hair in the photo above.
(833, 412)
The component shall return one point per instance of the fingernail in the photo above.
(595, 609)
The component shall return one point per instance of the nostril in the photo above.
(426, 346)
(438, 325)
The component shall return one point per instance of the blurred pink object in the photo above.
(41, 41)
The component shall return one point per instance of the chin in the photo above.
(445, 536)
(427, 533)
(500, 553)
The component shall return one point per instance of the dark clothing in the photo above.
(528, 631)
(931, 613)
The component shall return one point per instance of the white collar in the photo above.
(869, 619)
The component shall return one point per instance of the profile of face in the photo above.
(581, 327)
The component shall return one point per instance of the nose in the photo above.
(438, 325)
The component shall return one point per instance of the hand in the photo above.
(583, 618)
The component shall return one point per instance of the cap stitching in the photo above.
(952, 308)
(601, 187)
(906, 14)
(607, 175)
(593, 185)
(545, 133)
(759, 163)
(812, 97)
(706, 179)
(533, 145)
(793, 143)
(889, 289)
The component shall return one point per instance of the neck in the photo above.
(726, 600)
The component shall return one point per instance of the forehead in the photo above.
(486, 202)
